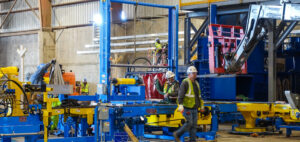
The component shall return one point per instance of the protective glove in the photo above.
(180, 108)
(166, 95)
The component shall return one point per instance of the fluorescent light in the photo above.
(97, 19)
(123, 16)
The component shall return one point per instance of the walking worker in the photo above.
(189, 99)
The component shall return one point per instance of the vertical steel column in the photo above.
(187, 40)
(176, 13)
(213, 14)
(173, 40)
(170, 40)
(104, 53)
(271, 63)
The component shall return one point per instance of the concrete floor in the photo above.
(223, 135)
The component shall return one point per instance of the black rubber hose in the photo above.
(25, 96)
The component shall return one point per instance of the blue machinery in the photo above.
(123, 109)
(126, 106)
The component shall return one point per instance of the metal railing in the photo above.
(195, 2)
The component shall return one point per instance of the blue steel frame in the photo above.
(105, 39)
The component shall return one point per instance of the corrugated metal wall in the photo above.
(143, 11)
(19, 21)
(75, 14)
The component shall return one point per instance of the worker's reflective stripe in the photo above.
(189, 98)
(190, 95)
(85, 88)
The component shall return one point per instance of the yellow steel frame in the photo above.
(174, 120)
(49, 111)
(85, 112)
(198, 2)
(252, 111)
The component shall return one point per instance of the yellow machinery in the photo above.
(18, 101)
(16, 107)
(175, 120)
(49, 111)
(253, 111)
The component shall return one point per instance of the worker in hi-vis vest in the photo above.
(170, 89)
(158, 51)
(84, 87)
(189, 100)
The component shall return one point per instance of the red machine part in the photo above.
(149, 80)
(223, 41)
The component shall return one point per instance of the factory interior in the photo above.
(149, 70)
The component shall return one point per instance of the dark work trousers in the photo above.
(191, 116)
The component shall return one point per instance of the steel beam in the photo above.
(142, 4)
(220, 12)
(45, 9)
(213, 14)
(279, 29)
(187, 38)
(271, 63)
(285, 34)
(193, 27)
(198, 33)
(104, 54)
(9, 11)
(28, 4)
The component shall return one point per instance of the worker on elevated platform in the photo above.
(158, 51)
(189, 99)
(171, 87)
(84, 87)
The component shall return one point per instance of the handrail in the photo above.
(181, 4)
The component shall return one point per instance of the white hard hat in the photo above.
(169, 74)
(191, 69)
(84, 80)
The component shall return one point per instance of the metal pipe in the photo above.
(22, 134)
(117, 50)
(27, 32)
(142, 36)
(136, 66)
(130, 43)
(143, 4)
(285, 34)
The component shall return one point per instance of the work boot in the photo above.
(176, 137)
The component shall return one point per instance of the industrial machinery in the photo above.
(167, 123)
(21, 118)
(17, 117)
(223, 41)
(254, 113)
(256, 30)
(124, 111)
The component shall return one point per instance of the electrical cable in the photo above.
(20, 87)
